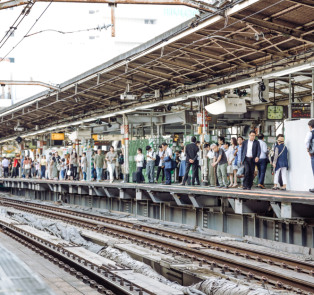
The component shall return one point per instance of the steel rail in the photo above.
(225, 263)
(58, 253)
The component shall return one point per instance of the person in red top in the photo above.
(16, 167)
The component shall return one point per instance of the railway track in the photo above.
(281, 272)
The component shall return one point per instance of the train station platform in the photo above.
(283, 216)
(16, 276)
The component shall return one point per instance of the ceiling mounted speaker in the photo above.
(19, 139)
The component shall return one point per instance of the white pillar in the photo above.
(126, 148)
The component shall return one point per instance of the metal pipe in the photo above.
(8, 82)
(113, 19)
(289, 106)
(191, 3)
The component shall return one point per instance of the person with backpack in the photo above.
(309, 143)
(280, 162)
(191, 151)
(150, 166)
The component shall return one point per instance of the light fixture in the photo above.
(289, 71)
(227, 86)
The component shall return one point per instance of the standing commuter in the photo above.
(111, 158)
(139, 166)
(309, 143)
(182, 163)
(99, 160)
(167, 158)
(191, 151)
(43, 164)
(262, 162)
(211, 170)
(251, 152)
(84, 166)
(161, 167)
(280, 162)
(238, 154)
(16, 167)
(73, 164)
(48, 170)
(150, 166)
(220, 160)
(27, 166)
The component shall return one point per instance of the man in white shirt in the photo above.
(262, 162)
(150, 165)
(309, 146)
(250, 154)
(5, 165)
(211, 170)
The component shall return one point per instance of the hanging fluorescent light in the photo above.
(289, 71)
(173, 100)
(207, 92)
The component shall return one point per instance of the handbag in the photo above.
(59, 166)
(229, 169)
(240, 172)
(69, 172)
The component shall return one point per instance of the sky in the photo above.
(53, 57)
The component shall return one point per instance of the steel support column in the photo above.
(126, 148)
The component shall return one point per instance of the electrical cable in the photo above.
(24, 12)
(136, 68)
(78, 31)
(27, 31)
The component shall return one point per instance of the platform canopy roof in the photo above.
(240, 40)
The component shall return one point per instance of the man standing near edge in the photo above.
(167, 157)
(99, 164)
(191, 159)
(309, 143)
(251, 152)
(262, 162)
(5, 165)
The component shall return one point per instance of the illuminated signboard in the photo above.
(57, 136)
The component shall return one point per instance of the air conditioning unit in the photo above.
(231, 104)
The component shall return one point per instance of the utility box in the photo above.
(228, 105)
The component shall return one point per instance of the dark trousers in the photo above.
(73, 171)
(261, 166)
(15, 172)
(249, 167)
(5, 171)
(140, 176)
(194, 172)
(158, 173)
(312, 163)
(168, 176)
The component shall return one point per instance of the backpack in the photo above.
(311, 149)
(157, 160)
(144, 164)
(121, 160)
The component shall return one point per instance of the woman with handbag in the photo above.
(280, 162)
(27, 166)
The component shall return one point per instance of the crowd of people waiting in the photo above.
(69, 167)
(230, 165)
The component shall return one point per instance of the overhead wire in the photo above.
(78, 31)
(157, 58)
(13, 28)
(27, 31)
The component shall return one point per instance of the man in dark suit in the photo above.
(191, 159)
(251, 152)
